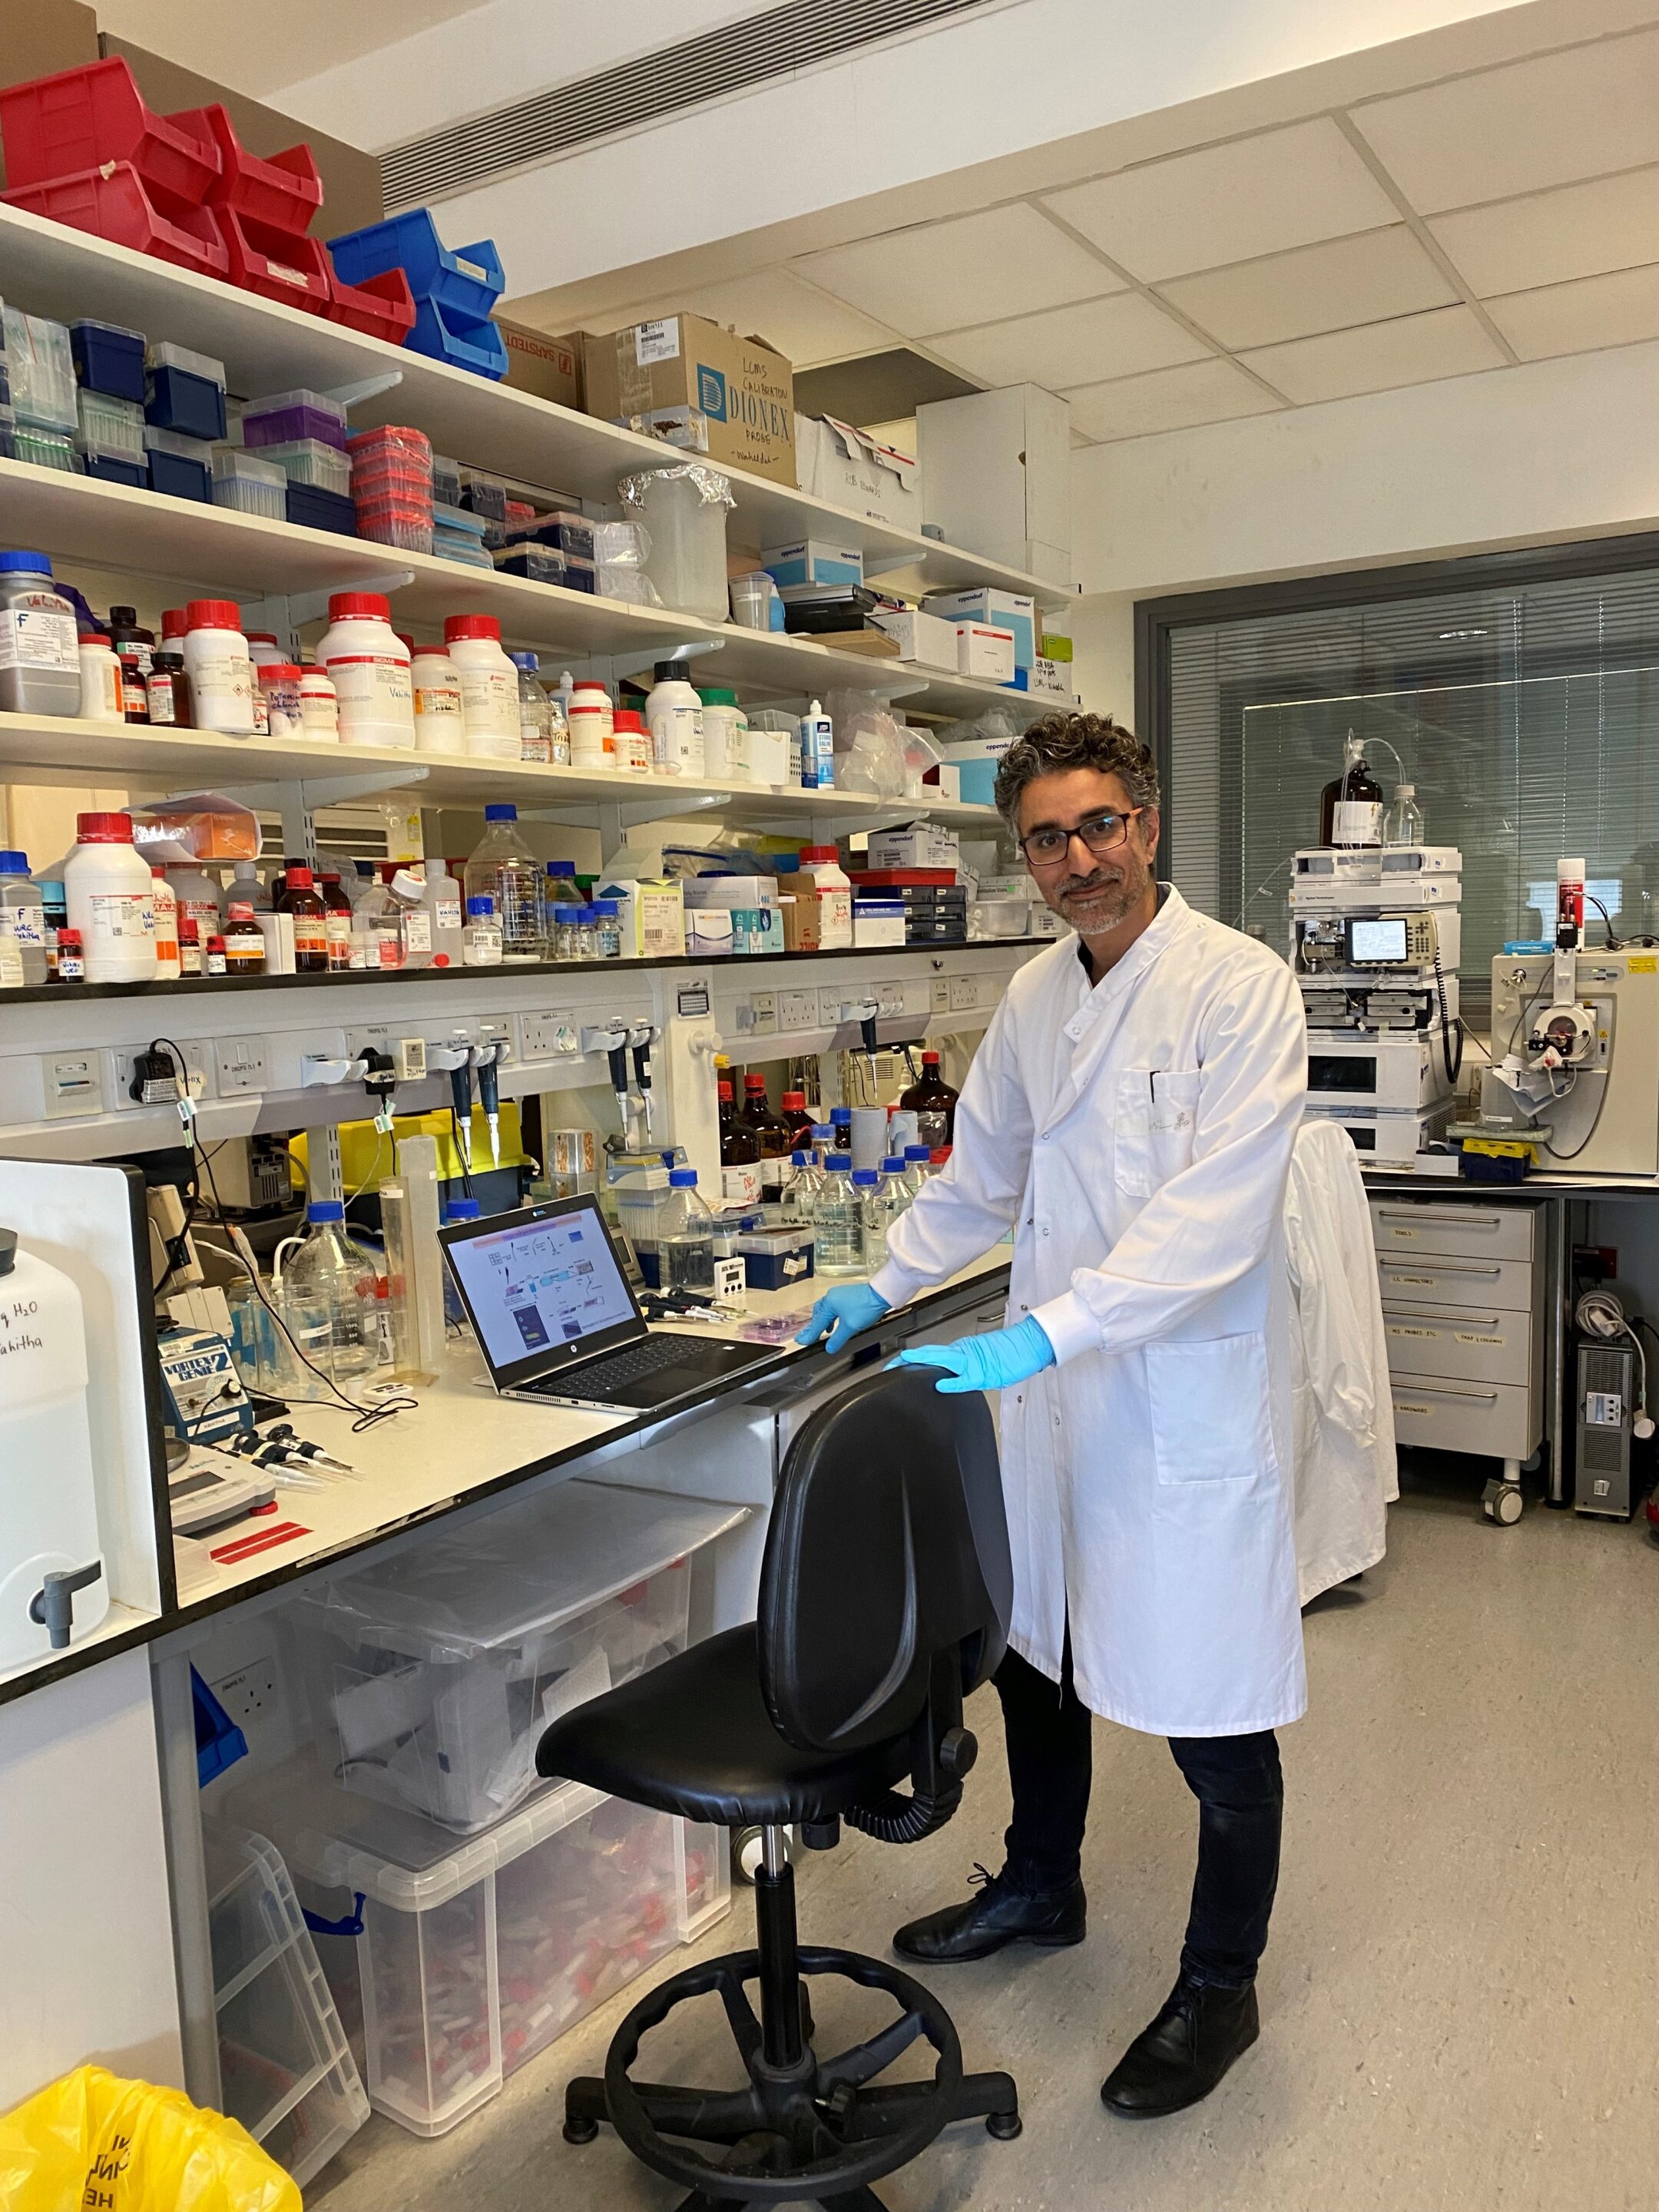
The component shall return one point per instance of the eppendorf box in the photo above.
(699, 388)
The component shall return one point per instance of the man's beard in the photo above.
(1096, 903)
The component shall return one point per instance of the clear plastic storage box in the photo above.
(285, 2065)
(475, 1955)
(281, 417)
(429, 1677)
(312, 461)
(249, 484)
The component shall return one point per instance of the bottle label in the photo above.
(372, 685)
(101, 687)
(38, 632)
(533, 744)
(310, 937)
(213, 962)
(490, 702)
(483, 946)
(120, 917)
(261, 706)
(28, 924)
(135, 692)
(677, 740)
(417, 930)
(1357, 822)
(222, 686)
(446, 912)
(319, 714)
(337, 928)
(158, 693)
(741, 1186)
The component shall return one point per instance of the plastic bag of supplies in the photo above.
(92, 2142)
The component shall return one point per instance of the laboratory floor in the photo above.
(1458, 2001)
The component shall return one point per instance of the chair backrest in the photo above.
(887, 1547)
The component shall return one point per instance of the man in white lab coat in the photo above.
(1131, 1113)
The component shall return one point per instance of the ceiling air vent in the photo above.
(726, 60)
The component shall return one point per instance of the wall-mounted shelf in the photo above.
(51, 270)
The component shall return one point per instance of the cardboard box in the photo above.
(1051, 679)
(877, 922)
(913, 845)
(818, 920)
(847, 466)
(996, 475)
(551, 367)
(925, 639)
(699, 388)
(814, 560)
(986, 652)
(651, 916)
(709, 930)
(730, 890)
(1010, 611)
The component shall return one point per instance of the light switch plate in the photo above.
(74, 1083)
(941, 994)
(241, 1065)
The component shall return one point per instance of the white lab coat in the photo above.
(1345, 1472)
(1138, 1134)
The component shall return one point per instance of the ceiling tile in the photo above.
(1594, 311)
(800, 321)
(1167, 399)
(974, 269)
(1580, 230)
(1376, 357)
(1546, 121)
(1367, 279)
(1260, 195)
(1083, 344)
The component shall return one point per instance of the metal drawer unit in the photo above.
(1463, 1312)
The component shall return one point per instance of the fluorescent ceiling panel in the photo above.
(1618, 309)
(1167, 399)
(1580, 230)
(1083, 344)
(1367, 279)
(1377, 357)
(974, 269)
(1262, 195)
(1547, 121)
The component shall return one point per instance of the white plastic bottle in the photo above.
(833, 889)
(817, 750)
(367, 664)
(220, 674)
(107, 890)
(673, 714)
(48, 1510)
(23, 915)
(320, 704)
(100, 679)
(593, 735)
(437, 702)
(490, 686)
(165, 908)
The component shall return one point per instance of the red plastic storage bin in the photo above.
(57, 127)
(279, 264)
(381, 308)
(284, 190)
(114, 204)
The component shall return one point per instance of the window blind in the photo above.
(1527, 717)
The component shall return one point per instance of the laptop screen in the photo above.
(543, 1287)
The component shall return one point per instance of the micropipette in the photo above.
(460, 1094)
(490, 1094)
(641, 1040)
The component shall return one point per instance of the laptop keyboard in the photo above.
(595, 1377)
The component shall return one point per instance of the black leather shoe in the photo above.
(999, 1914)
(1184, 2053)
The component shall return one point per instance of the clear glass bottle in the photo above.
(838, 1221)
(607, 926)
(823, 1141)
(333, 1272)
(563, 926)
(481, 940)
(534, 739)
(585, 933)
(802, 1188)
(558, 731)
(1403, 823)
(916, 1157)
(685, 1237)
(503, 868)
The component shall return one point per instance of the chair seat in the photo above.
(693, 1737)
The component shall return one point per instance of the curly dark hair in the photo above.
(1060, 741)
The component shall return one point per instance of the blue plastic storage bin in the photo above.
(178, 478)
(109, 469)
(219, 1742)
(176, 400)
(464, 341)
(466, 283)
(313, 508)
(109, 358)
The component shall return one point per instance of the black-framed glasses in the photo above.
(1102, 833)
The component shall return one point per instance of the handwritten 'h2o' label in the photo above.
(18, 1333)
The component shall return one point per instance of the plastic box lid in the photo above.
(277, 403)
(99, 328)
(522, 1572)
(176, 443)
(166, 355)
(231, 463)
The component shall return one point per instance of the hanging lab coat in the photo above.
(1137, 1136)
(1345, 1476)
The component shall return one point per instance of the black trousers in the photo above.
(1240, 1804)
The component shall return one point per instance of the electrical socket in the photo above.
(889, 999)
(764, 1013)
(941, 994)
(548, 1036)
(249, 1694)
(797, 1009)
(965, 993)
(126, 1059)
(830, 1006)
(241, 1065)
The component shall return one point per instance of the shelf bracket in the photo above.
(284, 613)
(614, 818)
(366, 387)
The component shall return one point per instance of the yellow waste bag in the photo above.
(94, 2144)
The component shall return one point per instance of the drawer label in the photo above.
(1420, 1282)
(1398, 1328)
(1409, 1406)
(1643, 965)
(1475, 1336)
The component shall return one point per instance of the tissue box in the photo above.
(984, 652)
(651, 914)
(877, 921)
(913, 845)
(709, 930)
(814, 560)
(1010, 611)
(927, 640)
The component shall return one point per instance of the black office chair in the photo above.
(885, 1598)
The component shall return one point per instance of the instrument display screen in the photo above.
(1378, 941)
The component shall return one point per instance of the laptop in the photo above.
(557, 1320)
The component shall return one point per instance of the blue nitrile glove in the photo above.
(842, 1314)
(995, 1362)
